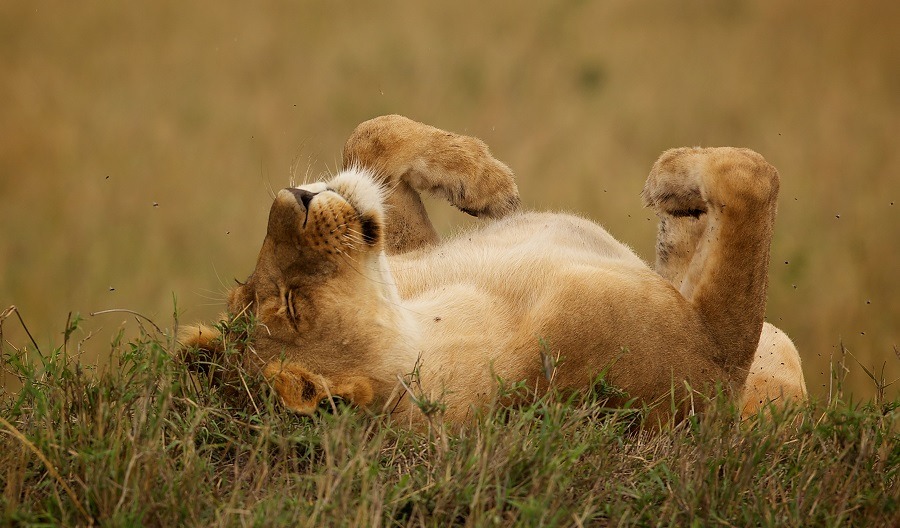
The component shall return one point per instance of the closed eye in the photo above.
(289, 302)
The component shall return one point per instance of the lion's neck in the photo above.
(399, 333)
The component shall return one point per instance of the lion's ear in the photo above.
(304, 392)
(356, 389)
(297, 387)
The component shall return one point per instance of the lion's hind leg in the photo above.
(725, 199)
(409, 158)
(776, 375)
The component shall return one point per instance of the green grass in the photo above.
(146, 443)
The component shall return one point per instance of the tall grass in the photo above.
(138, 142)
(145, 443)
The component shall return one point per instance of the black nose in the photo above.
(303, 196)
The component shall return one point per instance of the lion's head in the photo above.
(322, 297)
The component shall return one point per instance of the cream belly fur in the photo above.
(486, 301)
(355, 296)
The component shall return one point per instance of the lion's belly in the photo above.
(464, 332)
(495, 302)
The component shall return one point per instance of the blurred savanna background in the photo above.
(140, 142)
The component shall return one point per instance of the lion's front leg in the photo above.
(717, 212)
(410, 158)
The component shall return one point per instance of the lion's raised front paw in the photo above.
(491, 191)
(455, 167)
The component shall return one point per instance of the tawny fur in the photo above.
(356, 296)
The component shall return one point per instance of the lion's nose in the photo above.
(303, 196)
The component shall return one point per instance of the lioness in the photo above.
(354, 292)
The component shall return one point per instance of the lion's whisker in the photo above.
(348, 257)
(356, 237)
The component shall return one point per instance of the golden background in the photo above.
(139, 142)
